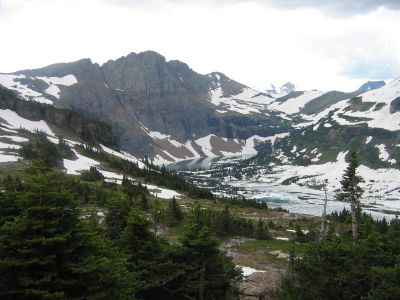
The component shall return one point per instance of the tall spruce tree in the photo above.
(352, 192)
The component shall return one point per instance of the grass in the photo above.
(271, 245)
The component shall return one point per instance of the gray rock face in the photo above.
(371, 85)
(143, 92)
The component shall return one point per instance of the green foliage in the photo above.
(261, 231)
(352, 192)
(41, 149)
(116, 218)
(336, 268)
(350, 189)
(92, 175)
(149, 259)
(159, 176)
(47, 253)
(174, 213)
(208, 273)
(144, 202)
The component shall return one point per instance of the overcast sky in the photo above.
(336, 44)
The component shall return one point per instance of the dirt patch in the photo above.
(261, 285)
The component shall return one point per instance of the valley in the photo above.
(149, 136)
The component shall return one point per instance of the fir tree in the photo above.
(352, 192)
(46, 253)
(174, 213)
(209, 274)
(144, 203)
(148, 257)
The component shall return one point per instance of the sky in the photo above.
(316, 44)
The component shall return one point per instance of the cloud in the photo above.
(250, 42)
(331, 7)
(376, 70)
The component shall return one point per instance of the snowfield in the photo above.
(374, 117)
(8, 157)
(11, 82)
(208, 147)
(293, 105)
(16, 122)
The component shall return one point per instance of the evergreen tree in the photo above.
(209, 274)
(352, 192)
(8, 198)
(46, 253)
(144, 203)
(225, 223)
(174, 213)
(148, 258)
(117, 215)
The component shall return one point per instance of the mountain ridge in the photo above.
(167, 111)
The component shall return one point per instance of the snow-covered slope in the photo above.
(40, 89)
(11, 140)
(377, 108)
(229, 96)
(293, 105)
(207, 146)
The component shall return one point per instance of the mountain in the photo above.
(286, 88)
(316, 151)
(168, 112)
(148, 106)
(371, 85)
(158, 108)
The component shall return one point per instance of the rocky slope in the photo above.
(157, 108)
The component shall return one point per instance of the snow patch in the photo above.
(8, 81)
(82, 163)
(247, 271)
(15, 138)
(9, 146)
(293, 105)
(16, 122)
(67, 80)
(384, 155)
(7, 157)
(162, 193)
(123, 155)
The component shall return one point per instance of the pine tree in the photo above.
(144, 203)
(117, 215)
(209, 274)
(46, 253)
(352, 192)
(174, 213)
(148, 257)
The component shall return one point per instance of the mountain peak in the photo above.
(371, 85)
(286, 88)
